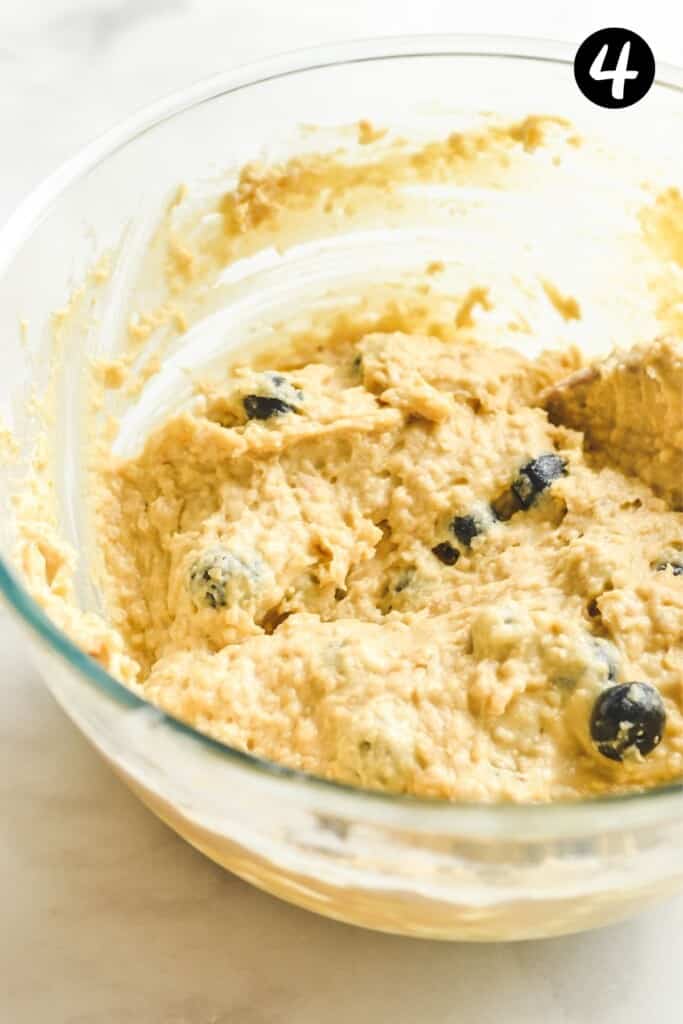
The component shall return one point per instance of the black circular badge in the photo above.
(614, 67)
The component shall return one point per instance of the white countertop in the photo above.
(108, 917)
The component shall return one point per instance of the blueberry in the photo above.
(592, 658)
(627, 717)
(466, 528)
(274, 395)
(536, 476)
(219, 578)
(446, 553)
(676, 566)
(263, 407)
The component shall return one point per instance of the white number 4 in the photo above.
(618, 75)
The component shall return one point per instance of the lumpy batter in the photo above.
(396, 550)
(380, 562)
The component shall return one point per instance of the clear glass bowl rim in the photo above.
(409, 812)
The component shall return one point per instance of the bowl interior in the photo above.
(108, 200)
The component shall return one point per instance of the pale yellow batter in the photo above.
(384, 548)
(294, 586)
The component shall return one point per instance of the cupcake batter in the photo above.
(384, 565)
(385, 546)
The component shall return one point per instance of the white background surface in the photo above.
(107, 917)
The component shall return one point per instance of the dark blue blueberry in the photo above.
(273, 395)
(465, 529)
(628, 716)
(446, 553)
(536, 476)
(209, 578)
(263, 407)
(219, 578)
(676, 567)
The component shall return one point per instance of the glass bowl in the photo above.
(399, 864)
